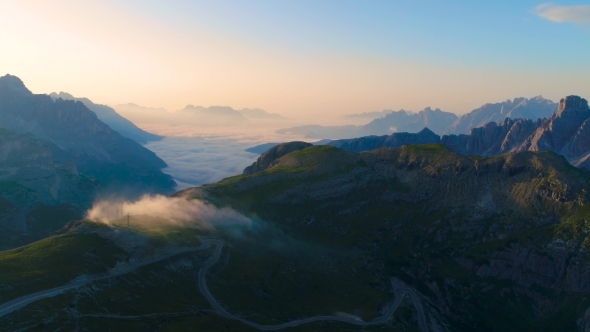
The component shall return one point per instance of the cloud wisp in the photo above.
(579, 14)
(173, 210)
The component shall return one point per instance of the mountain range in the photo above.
(57, 155)
(566, 133)
(405, 232)
(213, 116)
(110, 117)
(390, 123)
(387, 122)
(519, 108)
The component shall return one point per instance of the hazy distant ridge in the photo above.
(400, 121)
(112, 118)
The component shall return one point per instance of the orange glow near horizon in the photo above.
(113, 55)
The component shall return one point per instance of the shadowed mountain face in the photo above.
(59, 152)
(566, 133)
(519, 108)
(400, 121)
(110, 117)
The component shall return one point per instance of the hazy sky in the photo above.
(299, 58)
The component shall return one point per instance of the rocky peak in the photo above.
(13, 84)
(573, 105)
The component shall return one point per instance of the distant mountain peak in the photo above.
(426, 131)
(572, 104)
(14, 85)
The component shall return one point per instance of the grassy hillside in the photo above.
(490, 244)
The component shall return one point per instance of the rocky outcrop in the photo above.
(267, 158)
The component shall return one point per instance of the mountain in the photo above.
(425, 136)
(519, 108)
(210, 116)
(414, 238)
(259, 149)
(110, 117)
(565, 132)
(369, 115)
(58, 155)
(257, 113)
(483, 241)
(400, 121)
(140, 114)
(266, 160)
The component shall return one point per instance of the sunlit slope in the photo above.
(491, 242)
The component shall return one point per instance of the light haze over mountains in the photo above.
(213, 116)
(436, 120)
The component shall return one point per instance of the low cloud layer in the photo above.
(193, 161)
(174, 210)
(579, 14)
(196, 157)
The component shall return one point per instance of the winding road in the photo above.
(399, 289)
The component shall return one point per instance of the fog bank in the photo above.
(174, 210)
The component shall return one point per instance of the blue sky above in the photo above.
(490, 33)
(300, 57)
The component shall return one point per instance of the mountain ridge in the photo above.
(61, 153)
(113, 119)
(566, 132)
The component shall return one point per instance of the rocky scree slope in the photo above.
(494, 244)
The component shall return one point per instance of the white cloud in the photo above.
(174, 210)
(579, 14)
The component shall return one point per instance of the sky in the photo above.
(302, 59)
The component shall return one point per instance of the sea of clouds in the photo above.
(196, 156)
